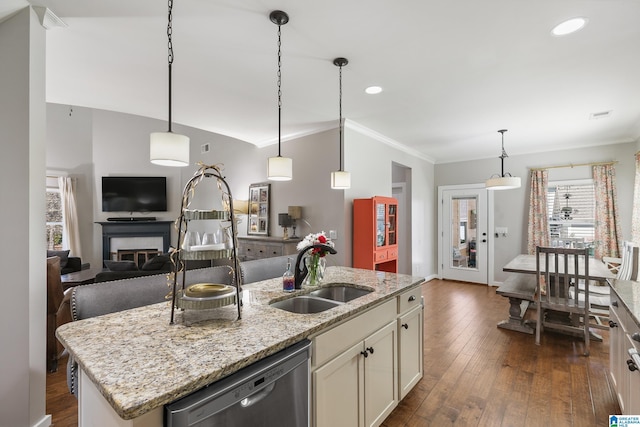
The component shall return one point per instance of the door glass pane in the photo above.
(463, 232)
(381, 235)
(392, 224)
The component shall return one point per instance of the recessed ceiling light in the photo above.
(569, 26)
(372, 90)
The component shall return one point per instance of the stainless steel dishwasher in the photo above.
(272, 392)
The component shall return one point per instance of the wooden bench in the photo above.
(520, 288)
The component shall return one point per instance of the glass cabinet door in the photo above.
(392, 224)
(381, 232)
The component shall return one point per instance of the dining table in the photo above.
(519, 288)
(525, 263)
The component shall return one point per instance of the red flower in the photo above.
(322, 239)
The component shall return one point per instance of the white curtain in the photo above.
(71, 235)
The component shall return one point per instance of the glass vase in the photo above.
(315, 265)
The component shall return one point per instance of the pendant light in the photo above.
(279, 168)
(504, 181)
(340, 180)
(168, 148)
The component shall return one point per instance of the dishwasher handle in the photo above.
(257, 396)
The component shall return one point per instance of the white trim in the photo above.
(44, 422)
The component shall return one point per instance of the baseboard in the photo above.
(44, 422)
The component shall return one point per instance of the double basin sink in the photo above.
(321, 299)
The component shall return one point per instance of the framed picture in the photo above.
(259, 198)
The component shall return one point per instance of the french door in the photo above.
(463, 228)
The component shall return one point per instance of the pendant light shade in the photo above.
(279, 168)
(340, 179)
(504, 181)
(168, 148)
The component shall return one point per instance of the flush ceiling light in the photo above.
(340, 180)
(168, 148)
(504, 181)
(569, 26)
(279, 168)
(373, 90)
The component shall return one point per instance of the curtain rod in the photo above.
(571, 165)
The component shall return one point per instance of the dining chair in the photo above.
(559, 307)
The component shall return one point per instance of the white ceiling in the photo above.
(453, 71)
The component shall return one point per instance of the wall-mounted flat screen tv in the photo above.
(134, 194)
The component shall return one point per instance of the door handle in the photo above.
(257, 396)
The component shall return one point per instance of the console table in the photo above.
(266, 247)
(134, 229)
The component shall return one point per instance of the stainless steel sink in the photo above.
(342, 293)
(305, 304)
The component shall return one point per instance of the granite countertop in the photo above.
(139, 362)
(628, 292)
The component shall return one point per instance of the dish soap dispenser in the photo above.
(288, 281)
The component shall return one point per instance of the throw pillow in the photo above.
(156, 263)
(121, 265)
(63, 255)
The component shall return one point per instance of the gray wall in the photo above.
(511, 207)
(22, 187)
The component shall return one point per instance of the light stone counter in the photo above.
(139, 362)
(628, 292)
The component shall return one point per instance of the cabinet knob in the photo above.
(612, 324)
(412, 298)
(635, 336)
(614, 303)
(631, 365)
(406, 326)
(370, 350)
(364, 353)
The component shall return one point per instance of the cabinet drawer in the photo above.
(409, 299)
(328, 344)
(380, 255)
(392, 253)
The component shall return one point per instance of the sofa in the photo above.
(118, 270)
(101, 298)
(68, 264)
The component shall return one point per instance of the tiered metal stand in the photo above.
(205, 295)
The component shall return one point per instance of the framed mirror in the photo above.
(259, 200)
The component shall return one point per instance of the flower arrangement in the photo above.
(315, 261)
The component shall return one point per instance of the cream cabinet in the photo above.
(624, 342)
(363, 367)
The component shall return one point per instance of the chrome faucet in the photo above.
(300, 275)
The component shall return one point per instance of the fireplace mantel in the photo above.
(113, 229)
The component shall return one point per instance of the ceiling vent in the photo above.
(600, 115)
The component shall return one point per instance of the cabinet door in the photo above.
(410, 344)
(338, 390)
(381, 224)
(380, 375)
(616, 358)
(633, 402)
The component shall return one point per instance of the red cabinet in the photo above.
(375, 234)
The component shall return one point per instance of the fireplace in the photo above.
(139, 234)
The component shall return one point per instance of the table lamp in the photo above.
(295, 212)
(285, 221)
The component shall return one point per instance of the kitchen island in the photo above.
(137, 362)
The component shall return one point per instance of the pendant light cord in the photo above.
(340, 119)
(279, 86)
(170, 55)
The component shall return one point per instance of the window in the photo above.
(571, 208)
(54, 221)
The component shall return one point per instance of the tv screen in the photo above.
(134, 194)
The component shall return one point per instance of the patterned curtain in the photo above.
(607, 221)
(635, 216)
(538, 233)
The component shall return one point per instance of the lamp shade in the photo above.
(340, 180)
(503, 183)
(295, 212)
(280, 169)
(169, 149)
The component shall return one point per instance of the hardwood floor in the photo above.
(479, 375)
(475, 373)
